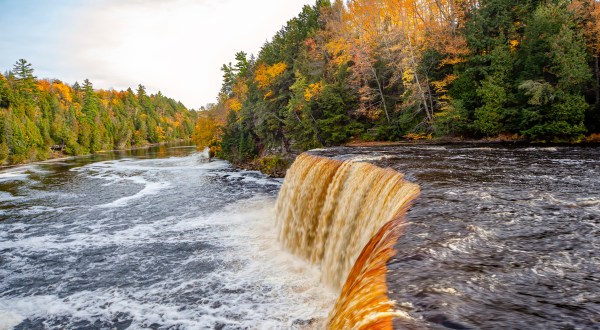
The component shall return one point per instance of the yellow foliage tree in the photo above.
(205, 132)
(43, 85)
(312, 90)
(234, 104)
(266, 74)
(160, 133)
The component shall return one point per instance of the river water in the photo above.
(155, 238)
(501, 238)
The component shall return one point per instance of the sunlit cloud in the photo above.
(175, 46)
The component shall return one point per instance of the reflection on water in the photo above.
(501, 238)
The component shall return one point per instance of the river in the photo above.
(500, 238)
(153, 238)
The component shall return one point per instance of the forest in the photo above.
(40, 118)
(387, 70)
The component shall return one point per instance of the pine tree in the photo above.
(23, 71)
(25, 80)
(555, 73)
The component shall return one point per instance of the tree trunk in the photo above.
(381, 93)
(430, 95)
(428, 113)
(597, 87)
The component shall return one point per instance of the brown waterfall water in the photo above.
(501, 237)
(345, 217)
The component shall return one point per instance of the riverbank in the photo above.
(591, 140)
(272, 165)
(58, 155)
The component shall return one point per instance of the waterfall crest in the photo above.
(328, 212)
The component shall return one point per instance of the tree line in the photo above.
(395, 69)
(38, 115)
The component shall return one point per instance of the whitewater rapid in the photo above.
(500, 238)
(162, 240)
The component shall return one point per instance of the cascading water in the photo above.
(123, 246)
(500, 238)
(363, 302)
(328, 211)
(205, 154)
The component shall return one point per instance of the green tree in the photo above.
(495, 93)
(23, 71)
(4, 152)
(24, 81)
(555, 73)
(37, 114)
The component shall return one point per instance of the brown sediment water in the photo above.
(345, 217)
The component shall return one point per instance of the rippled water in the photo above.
(501, 237)
(156, 238)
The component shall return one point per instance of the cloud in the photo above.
(175, 46)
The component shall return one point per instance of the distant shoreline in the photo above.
(457, 141)
(59, 156)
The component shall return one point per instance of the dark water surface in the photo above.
(148, 239)
(501, 238)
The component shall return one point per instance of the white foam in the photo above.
(434, 148)
(552, 149)
(38, 209)
(578, 202)
(483, 195)
(254, 177)
(37, 169)
(114, 169)
(588, 201)
(269, 287)
(144, 172)
(6, 196)
(9, 320)
(464, 244)
(449, 290)
(19, 174)
(96, 235)
(364, 158)
(151, 188)
(251, 233)
(205, 153)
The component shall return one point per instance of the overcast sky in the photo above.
(175, 46)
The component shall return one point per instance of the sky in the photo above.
(175, 46)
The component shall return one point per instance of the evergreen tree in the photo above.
(496, 94)
(37, 114)
(24, 80)
(555, 73)
(23, 71)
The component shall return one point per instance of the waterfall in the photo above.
(205, 153)
(328, 212)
